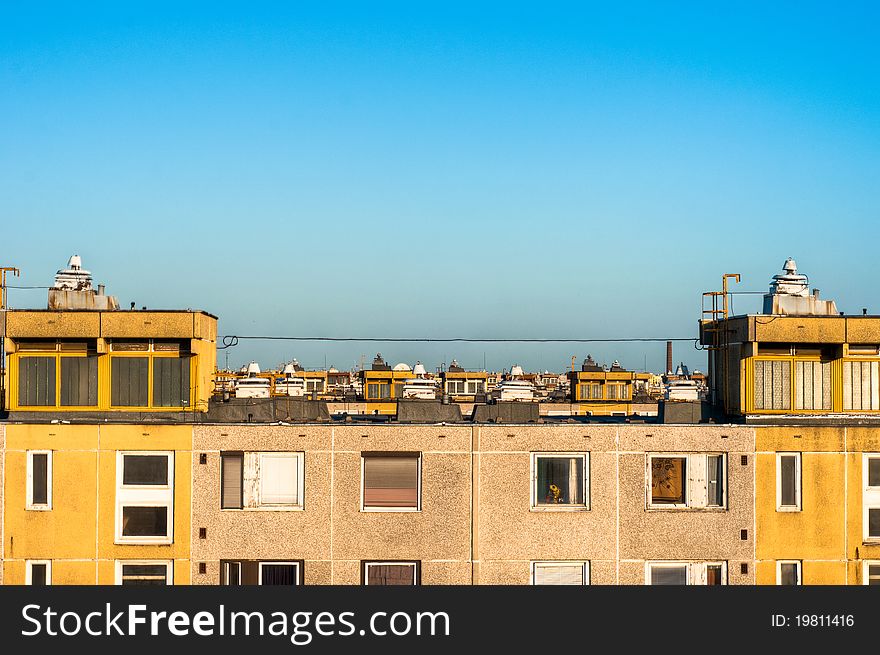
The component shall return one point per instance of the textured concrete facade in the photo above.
(476, 523)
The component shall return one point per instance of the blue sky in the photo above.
(397, 169)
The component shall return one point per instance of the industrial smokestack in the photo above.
(669, 357)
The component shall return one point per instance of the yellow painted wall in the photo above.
(818, 531)
(81, 523)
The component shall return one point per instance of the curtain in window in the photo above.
(560, 481)
(36, 381)
(79, 381)
(278, 574)
(559, 574)
(813, 385)
(861, 386)
(278, 479)
(129, 381)
(772, 384)
(231, 480)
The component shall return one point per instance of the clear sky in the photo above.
(397, 169)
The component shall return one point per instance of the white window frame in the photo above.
(153, 495)
(169, 568)
(798, 486)
(695, 571)
(867, 564)
(28, 570)
(297, 577)
(694, 499)
(457, 382)
(585, 566)
(29, 492)
(417, 508)
(870, 497)
(412, 563)
(535, 507)
(799, 568)
(224, 572)
(252, 497)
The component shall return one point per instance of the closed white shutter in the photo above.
(560, 574)
(696, 491)
(278, 479)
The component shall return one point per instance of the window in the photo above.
(560, 573)
(39, 480)
(861, 385)
(475, 388)
(617, 391)
(129, 381)
(279, 573)
(231, 480)
(871, 574)
(267, 480)
(560, 481)
(590, 391)
(313, 384)
(378, 391)
(144, 573)
(694, 481)
(246, 572)
(871, 497)
(788, 482)
(79, 381)
(391, 481)
(772, 384)
(455, 386)
(144, 497)
(788, 572)
(812, 385)
(170, 381)
(390, 573)
(686, 573)
(36, 381)
(38, 572)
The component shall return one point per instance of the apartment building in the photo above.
(120, 466)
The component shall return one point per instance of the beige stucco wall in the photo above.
(686, 534)
(331, 534)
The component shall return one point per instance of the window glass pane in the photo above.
(130, 346)
(170, 381)
(715, 480)
(391, 481)
(713, 574)
(231, 474)
(560, 481)
(788, 573)
(36, 381)
(40, 472)
(166, 346)
(813, 385)
(79, 381)
(278, 479)
(144, 574)
(144, 521)
(39, 575)
(874, 471)
(390, 574)
(788, 480)
(874, 522)
(874, 574)
(278, 574)
(145, 469)
(668, 480)
(231, 573)
(559, 574)
(772, 385)
(669, 575)
(128, 381)
(37, 345)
